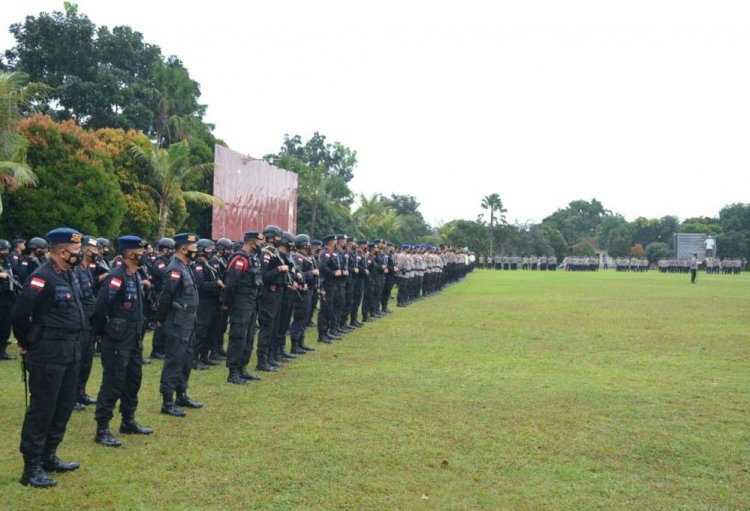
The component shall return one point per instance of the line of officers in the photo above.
(67, 297)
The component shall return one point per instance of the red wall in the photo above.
(255, 194)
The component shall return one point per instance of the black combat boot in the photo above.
(297, 349)
(105, 437)
(169, 408)
(51, 463)
(85, 399)
(263, 364)
(286, 355)
(184, 400)
(130, 426)
(247, 376)
(34, 475)
(304, 346)
(235, 379)
(208, 361)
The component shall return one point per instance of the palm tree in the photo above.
(493, 202)
(170, 168)
(15, 95)
(314, 185)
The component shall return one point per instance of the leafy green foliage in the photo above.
(657, 250)
(579, 221)
(77, 184)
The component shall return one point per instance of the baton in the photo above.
(24, 380)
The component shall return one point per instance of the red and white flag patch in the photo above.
(174, 276)
(115, 283)
(37, 284)
(160, 265)
(199, 268)
(239, 264)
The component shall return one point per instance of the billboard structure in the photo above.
(686, 244)
(255, 194)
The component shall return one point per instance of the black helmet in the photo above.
(204, 244)
(102, 242)
(287, 238)
(224, 244)
(302, 241)
(4, 245)
(165, 243)
(272, 230)
(36, 243)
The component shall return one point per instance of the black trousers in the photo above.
(122, 373)
(87, 360)
(207, 325)
(377, 293)
(325, 316)
(285, 319)
(339, 300)
(6, 304)
(158, 341)
(348, 298)
(241, 333)
(387, 288)
(179, 330)
(367, 298)
(357, 296)
(53, 390)
(269, 305)
(300, 314)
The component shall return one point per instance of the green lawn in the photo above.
(508, 391)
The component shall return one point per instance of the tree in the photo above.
(324, 170)
(704, 225)
(657, 250)
(614, 235)
(77, 185)
(579, 221)
(15, 95)
(170, 170)
(413, 226)
(733, 244)
(735, 217)
(493, 202)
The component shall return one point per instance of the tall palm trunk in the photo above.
(163, 217)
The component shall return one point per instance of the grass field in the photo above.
(507, 391)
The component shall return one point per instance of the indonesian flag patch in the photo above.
(239, 264)
(115, 283)
(199, 268)
(160, 265)
(266, 258)
(37, 284)
(174, 276)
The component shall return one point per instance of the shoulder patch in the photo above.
(266, 258)
(328, 256)
(239, 264)
(24, 263)
(160, 265)
(115, 283)
(174, 276)
(37, 284)
(199, 267)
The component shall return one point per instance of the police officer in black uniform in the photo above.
(360, 276)
(9, 288)
(88, 299)
(301, 301)
(36, 255)
(315, 247)
(119, 319)
(389, 277)
(330, 268)
(291, 287)
(49, 323)
(16, 254)
(210, 288)
(273, 272)
(224, 250)
(243, 280)
(165, 250)
(176, 313)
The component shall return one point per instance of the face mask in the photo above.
(3, 254)
(75, 258)
(191, 254)
(39, 253)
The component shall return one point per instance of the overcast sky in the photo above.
(644, 105)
